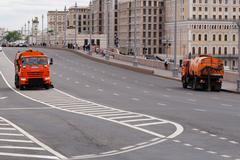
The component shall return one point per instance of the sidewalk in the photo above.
(227, 86)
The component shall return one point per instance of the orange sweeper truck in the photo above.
(203, 72)
(32, 68)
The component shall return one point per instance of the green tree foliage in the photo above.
(13, 36)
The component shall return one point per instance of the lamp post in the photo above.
(65, 27)
(238, 81)
(42, 28)
(107, 56)
(90, 29)
(135, 62)
(175, 70)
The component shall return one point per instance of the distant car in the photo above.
(4, 45)
(1, 49)
(22, 45)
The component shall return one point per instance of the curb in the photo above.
(132, 68)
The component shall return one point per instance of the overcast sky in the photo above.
(15, 13)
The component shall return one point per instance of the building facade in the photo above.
(149, 22)
(204, 27)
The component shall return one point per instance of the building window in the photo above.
(205, 37)
(199, 50)
(205, 50)
(219, 37)
(225, 50)
(214, 37)
(234, 37)
(214, 50)
(234, 51)
(199, 37)
(193, 51)
(194, 37)
(219, 50)
(225, 38)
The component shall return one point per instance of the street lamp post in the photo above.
(238, 81)
(135, 62)
(65, 27)
(90, 29)
(42, 27)
(175, 70)
(107, 56)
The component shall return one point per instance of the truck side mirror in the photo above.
(51, 61)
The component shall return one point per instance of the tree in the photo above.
(13, 36)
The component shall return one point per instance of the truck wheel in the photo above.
(21, 87)
(47, 86)
(184, 85)
(194, 86)
(16, 81)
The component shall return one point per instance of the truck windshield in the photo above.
(35, 60)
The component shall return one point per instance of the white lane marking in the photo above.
(100, 90)
(149, 124)
(234, 142)
(11, 134)
(192, 100)
(128, 147)
(195, 129)
(24, 148)
(135, 99)
(177, 141)
(140, 144)
(123, 117)
(137, 120)
(188, 145)
(7, 129)
(161, 104)
(223, 138)
(200, 149)
(155, 139)
(27, 155)
(2, 98)
(213, 135)
(9, 109)
(146, 92)
(109, 152)
(115, 94)
(227, 105)
(203, 132)
(167, 96)
(4, 124)
(211, 152)
(200, 110)
(226, 156)
(34, 139)
(113, 114)
(15, 140)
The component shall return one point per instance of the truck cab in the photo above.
(32, 68)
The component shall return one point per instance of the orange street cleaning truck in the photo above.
(203, 72)
(32, 68)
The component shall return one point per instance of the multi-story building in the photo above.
(204, 27)
(56, 21)
(149, 22)
(105, 19)
(79, 17)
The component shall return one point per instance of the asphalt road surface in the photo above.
(97, 111)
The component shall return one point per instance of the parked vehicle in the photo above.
(203, 72)
(32, 69)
